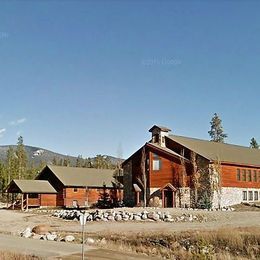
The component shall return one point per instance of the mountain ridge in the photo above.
(37, 155)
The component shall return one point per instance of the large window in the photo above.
(238, 174)
(256, 195)
(250, 195)
(255, 176)
(244, 195)
(243, 175)
(249, 175)
(157, 163)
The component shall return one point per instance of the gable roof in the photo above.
(30, 186)
(163, 128)
(212, 151)
(83, 177)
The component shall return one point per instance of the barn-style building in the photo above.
(178, 171)
(70, 187)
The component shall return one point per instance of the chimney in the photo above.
(158, 134)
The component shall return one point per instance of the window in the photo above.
(250, 195)
(244, 195)
(75, 190)
(243, 175)
(256, 195)
(238, 174)
(249, 175)
(255, 176)
(259, 176)
(157, 163)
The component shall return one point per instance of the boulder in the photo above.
(69, 238)
(27, 233)
(51, 237)
(41, 229)
(118, 217)
(90, 241)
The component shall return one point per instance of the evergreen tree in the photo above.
(11, 164)
(216, 132)
(79, 161)
(253, 143)
(54, 161)
(21, 158)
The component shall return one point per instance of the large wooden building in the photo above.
(69, 187)
(179, 171)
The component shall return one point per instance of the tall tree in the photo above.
(79, 161)
(11, 164)
(21, 158)
(216, 131)
(253, 143)
(143, 178)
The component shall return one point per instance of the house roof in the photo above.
(163, 128)
(220, 151)
(30, 186)
(83, 177)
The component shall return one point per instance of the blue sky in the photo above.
(86, 77)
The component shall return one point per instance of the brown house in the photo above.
(182, 172)
(67, 187)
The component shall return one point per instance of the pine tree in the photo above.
(79, 161)
(253, 143)
(21, 158)
(216, 132)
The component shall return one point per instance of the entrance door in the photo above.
(168, 199)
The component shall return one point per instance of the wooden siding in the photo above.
(229, 177)
(48, 200)
(168, 173)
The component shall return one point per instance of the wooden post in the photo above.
(27, 201)
(22, 203)
(7, 203)
(12, 201)
(173, 199)
(137, 198)
(163, 199)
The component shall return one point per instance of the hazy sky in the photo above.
(86, 77)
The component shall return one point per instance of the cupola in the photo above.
(158, 134)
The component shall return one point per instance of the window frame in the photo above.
(238, 174)
(250, 195)
(243, 174)
(249, 174)
(256, 195)
(244, 195)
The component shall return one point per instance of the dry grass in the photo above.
(5, 255)
(220, 244)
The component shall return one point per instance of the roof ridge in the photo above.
(217, 143)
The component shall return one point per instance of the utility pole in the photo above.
(83, 219)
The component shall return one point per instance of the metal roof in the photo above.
(83, 177)
(30, 186)
(220, 151)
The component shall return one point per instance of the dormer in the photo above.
(158, 134)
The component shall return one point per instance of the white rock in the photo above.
(27, 233)
(69, 238)
(51, 237)
(90, 241)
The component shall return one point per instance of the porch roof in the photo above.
(30, 186)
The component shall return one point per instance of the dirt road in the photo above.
(13, 222)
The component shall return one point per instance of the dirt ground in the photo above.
(14, 222)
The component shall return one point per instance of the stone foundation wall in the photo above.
(231, 196)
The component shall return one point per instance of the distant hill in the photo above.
(37, 155)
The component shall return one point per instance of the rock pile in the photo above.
(111, 215)
(42, 232)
